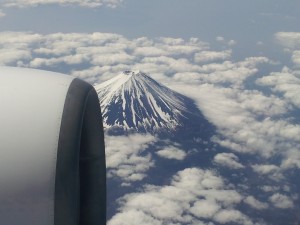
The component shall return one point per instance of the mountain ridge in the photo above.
(133, 100)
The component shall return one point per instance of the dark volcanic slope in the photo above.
(133, 100)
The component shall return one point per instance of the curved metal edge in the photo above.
(80, 184)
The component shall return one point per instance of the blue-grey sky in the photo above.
(245, 21)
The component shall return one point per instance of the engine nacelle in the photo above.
(52, 156)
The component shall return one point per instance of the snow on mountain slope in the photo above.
(133, 100)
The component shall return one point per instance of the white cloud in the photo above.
(19, 39)
(172, 152)
(210, 56)
(126, 158)
(108, 53)
(99, 50)
(228, 160)
(224, 73)
(261, 105)
(150, 51)
(112, 59)
(291, 159)
(223, 40)
(285, 82)
(169, 64)
(133, 217)
(69, 60)
(16, 47)
(296, 58)
(158, 207)
(289, 39)
(267, 188)
(82, 3)
(220, 39)
(231, 42)
(281, 201)
(244, 128)
(205, 208)
(265, 169)
(8, 56)
(194, 196)
(232, 216)
(172, 41)
(195, 180)
(254, 203)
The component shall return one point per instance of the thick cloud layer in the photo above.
(254, 112)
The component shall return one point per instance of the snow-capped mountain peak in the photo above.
(133, 100)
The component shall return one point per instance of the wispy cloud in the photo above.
(289, 39)
(285, 82)
(281, 201)
(228, 160)
(2, 14)
(82, 3)
(253, 202)
(212, 56)
(272, 171)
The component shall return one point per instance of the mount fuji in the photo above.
(134, 101)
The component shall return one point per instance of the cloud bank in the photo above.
(194, 196)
